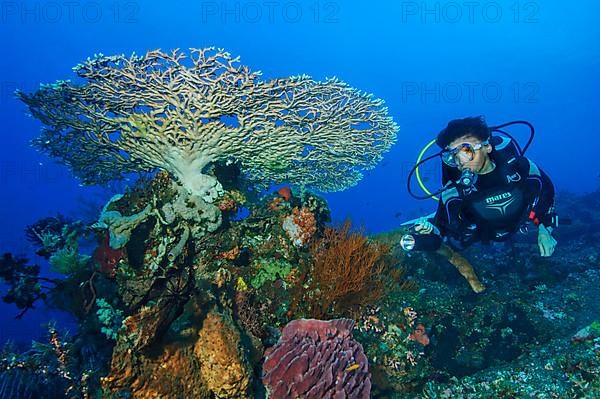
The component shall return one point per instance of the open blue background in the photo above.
(430, 61)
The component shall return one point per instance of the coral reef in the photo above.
(348, 271)
(317, 359)
(270, 270)
(173, 372)
(47, 370)
(195, 315)
(167, 286)
(200, 361)
(202, 281)
(300, 226)
(224, 367)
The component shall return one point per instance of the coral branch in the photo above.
(347, 271)
(180, 113)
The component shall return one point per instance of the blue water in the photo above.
(430, 61)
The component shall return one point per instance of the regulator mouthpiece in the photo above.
(467, 178)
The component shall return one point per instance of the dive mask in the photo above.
(466, 152)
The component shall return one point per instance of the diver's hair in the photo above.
(474, 126)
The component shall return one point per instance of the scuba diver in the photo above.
(490, 192)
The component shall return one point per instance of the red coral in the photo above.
(232, 254)
(317, 359)
(285, 193)
(227, 205)
(275, 205)
(107, 257)
(419, 335)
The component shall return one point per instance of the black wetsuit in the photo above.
(499, 203)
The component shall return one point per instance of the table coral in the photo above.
(183, 112)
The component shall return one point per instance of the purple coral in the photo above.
(317, 359)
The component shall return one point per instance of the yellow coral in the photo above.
(241, 284)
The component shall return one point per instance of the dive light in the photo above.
(420, 242)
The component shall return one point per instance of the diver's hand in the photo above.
(546, 242)
(424, 226)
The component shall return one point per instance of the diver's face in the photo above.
(480, 156)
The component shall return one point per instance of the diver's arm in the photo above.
(439, 218)
(448, 215)
(540, 190)
(542, 209)
(546, 242)
(424, 235)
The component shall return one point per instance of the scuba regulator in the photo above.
(467, 178)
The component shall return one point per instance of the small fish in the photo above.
(397, 214)
(353, 367)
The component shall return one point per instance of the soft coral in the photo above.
(108, 257)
